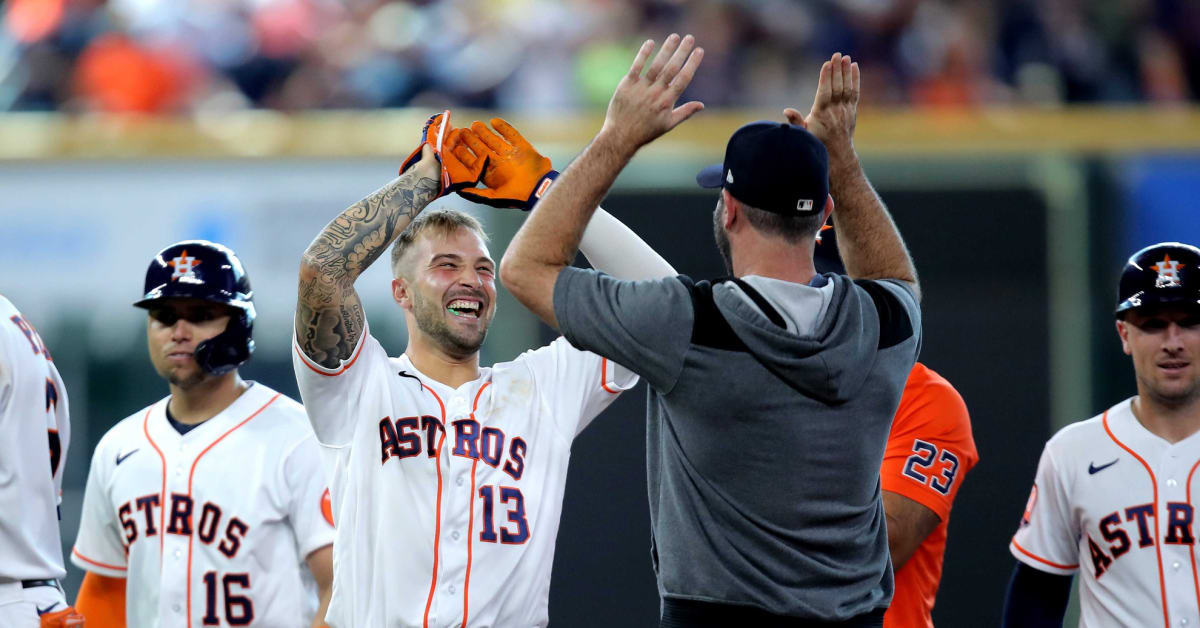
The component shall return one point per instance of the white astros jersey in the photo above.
(1113, 501)
(33, 414)
(447, 501)
(212, 527)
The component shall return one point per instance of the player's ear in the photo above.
(1123, 332)
(400, 293)
(732, 209)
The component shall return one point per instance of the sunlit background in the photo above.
(1025, 148)
(181, 56)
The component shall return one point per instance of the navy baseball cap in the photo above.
(774, 166)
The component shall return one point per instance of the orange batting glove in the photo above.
(455, 174)
(66, 618)
(516, 176)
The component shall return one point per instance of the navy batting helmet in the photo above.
(1167, 273)
(199, 269)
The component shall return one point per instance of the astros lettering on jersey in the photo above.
(447, 501)
(33, 419)
(1114, 502)
(211, 527)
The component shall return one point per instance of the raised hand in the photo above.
(516, 172)
(643, 106)
(452, 174)
(834, 111)
(428, 166)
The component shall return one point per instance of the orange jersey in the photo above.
(929, 451)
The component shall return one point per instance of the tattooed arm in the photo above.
(329, 315)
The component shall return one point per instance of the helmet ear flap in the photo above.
(229, 349)
(199, 269)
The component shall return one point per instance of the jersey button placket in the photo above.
(448, 565)
(454, 551)
(173, 587)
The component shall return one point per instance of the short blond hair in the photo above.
(439, 221)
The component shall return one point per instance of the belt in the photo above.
(29, 584)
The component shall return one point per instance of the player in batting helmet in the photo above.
(198, 324)
(199, 269)
(1167, 273)
(1083, 523)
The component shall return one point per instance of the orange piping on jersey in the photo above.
(437, 531)
(604, 377)
(471, 515)
(309, 363)
(162, 507)
(475, 403)
(1039, 558)
(1157, 546)
(95, 562)
(1192, 555)
(192, 474)
(470, 536)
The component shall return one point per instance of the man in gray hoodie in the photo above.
(771, 392)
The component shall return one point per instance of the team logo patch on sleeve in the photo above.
(1029, 506)
(327, 506)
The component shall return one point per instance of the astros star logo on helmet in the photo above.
(184, 265)
(1168, 273)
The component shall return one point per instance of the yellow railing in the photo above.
(389, 133)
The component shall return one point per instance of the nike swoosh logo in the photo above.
(43, 611)
(1093, 469)
(121, 458)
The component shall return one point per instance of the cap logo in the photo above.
(185, 267)
(729, 177)
(804, 205)
(1168, 273)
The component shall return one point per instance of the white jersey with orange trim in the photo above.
(1114, 502)
(34, 434)
(211, 527)
(447, 500)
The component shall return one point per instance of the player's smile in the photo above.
(465, 307)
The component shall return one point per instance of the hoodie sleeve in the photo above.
(899, 311)
(644, 326)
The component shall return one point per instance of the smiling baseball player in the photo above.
(33, 412)
(449, 476)
(1113, 495)
(201, 509)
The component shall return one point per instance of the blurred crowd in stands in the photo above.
(186, 56)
